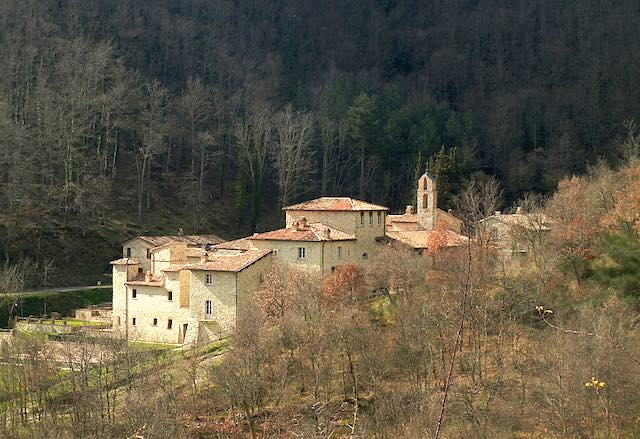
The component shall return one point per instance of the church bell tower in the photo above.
(427, 201)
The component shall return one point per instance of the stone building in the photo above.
(188, 295)
(421, 242)
(188, 289)
(139, 248)
(517, 237)
(428, 214)
(326, 232)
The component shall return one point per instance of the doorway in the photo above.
(183, 333)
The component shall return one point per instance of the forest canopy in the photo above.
(123, 117)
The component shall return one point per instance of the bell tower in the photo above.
(427, 201)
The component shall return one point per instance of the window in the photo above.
(302, 252)
(148, 253)
(362, 218)
(169, 324)
(365, 256)
(207, 309)
(494, 233)
(139, 270)
(155, 322)
(128, 252)
(339, 252)
(170, 295)
(379, 218)
(275, 252)
(134, 293)
(261, 278)
(370, 218)
(133, 321)
(208, 279)
(118, 323)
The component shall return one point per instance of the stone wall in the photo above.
(94, 314)
(366, 228)
(139, 249)
(342, 220)
(187, 307)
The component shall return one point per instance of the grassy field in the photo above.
(63, 303)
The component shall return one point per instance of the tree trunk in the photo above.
(141, 186)
(247, 414)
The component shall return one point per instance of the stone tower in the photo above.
(427, 201)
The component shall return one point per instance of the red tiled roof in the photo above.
(154, 281)
(407, 221)
(422, 238)
(190, 240)
(233, 262)
(237, 244)
(124, 261)
(311, 232)
(531, 221)
(194, 252)
(335, 204)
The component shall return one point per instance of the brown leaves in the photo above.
(347, 284)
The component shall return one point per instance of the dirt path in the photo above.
(56, 290)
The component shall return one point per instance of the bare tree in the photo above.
(153, 134)
(253, 139)
(13, 280)
(292, 153)
(195, 106)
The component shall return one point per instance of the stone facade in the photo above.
(139, 248)
(181, 301)
(428, 216)
(320, 256)
(516, 238)
(427, 201)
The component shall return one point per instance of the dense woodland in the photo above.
(127, 117)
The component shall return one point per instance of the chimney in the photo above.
(302, 224)
(180, 231)
(147, 276)
(327, 233)
(519, 210)
(408, 210)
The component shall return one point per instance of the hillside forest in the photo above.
(119, 118)
(470, 349)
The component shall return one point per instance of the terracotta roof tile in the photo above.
(237, 244)
(154, 281)
(194, 252)
(531, 221)
(310, 232)
(233, 262)
(335, 204)
(421, 238)
(190, 240)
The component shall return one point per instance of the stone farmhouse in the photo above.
(189, 289)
